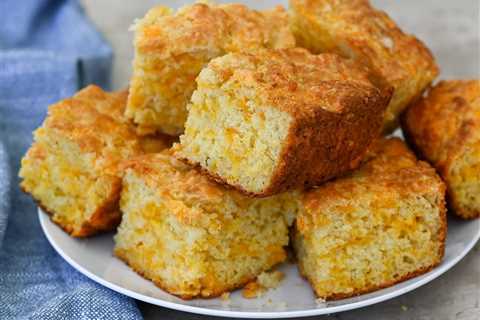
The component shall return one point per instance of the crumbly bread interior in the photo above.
(60, 176)
(198, 243)
(160, 94)
(265, 281)
(464, 180)
(358, 250)
(235, 136)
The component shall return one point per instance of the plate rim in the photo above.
(428, 277)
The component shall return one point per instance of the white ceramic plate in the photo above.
(294, 298)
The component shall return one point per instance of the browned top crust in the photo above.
(440, 123)
(163, 173)
(298, 82)
(370, 36)
(389, 168)
(397, 55)
(205, 26)
(188, 187)
(90, 118)
(110, 104)
(94, 120)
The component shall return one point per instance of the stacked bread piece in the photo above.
(281, 118)
(274, 120)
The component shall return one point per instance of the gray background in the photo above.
(451, 29)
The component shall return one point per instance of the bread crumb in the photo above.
(270, 280)
(404, 308)
(265, 281)
(321, 303)
(252, 290)
(225, 296)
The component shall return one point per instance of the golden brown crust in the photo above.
(155, 169)
(357, 30)
(343, 137)
(336, 106)
(223, 28)
(111, 104)
(93, 120)
(300, 83)
(434, 123)
(187, 178)
(211, 295)
(441, 125)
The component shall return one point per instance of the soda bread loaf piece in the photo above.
(71, 168)
(172, 48)
(382, 224)
(354, 29)
(444, 127)
(267, 121)
(193, 237)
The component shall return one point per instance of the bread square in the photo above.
(382, 224)
(71, 168)
(444, 128)
(193, 237)
(355, 29)
(272, 120)
(172, 48)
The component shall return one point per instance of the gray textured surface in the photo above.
(452, 30)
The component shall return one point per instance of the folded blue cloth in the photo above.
(48, 50)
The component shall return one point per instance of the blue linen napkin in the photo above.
(48, 50)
